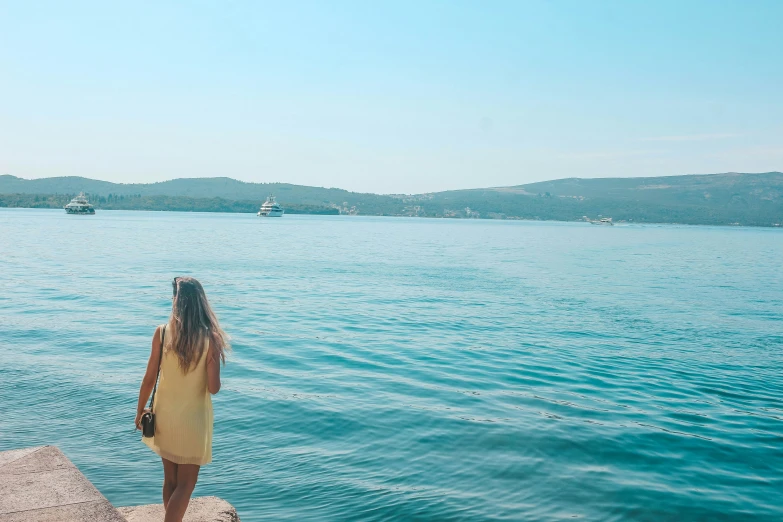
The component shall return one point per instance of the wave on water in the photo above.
(414, 369)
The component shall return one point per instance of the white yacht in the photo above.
(602, 221)
(270, 208)
(79, 205)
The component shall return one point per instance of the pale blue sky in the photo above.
(390, 97)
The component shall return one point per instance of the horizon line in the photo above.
(398, 193)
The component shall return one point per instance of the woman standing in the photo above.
(188, 352)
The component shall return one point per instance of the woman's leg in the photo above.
(169, 480)
(187, 475)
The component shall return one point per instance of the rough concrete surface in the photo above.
(99, 511)
(8, 456)
(201, 509)
(41, 484)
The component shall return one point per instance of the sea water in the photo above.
(413, 369)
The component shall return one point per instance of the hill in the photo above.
(716, 199)
(225, 188)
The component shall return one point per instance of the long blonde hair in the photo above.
(192, 320)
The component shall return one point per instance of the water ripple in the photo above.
(414, 369)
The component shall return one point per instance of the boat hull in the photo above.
(271, 213)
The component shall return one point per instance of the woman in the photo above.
(192, 345)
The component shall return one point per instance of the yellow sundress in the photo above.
(183, 410)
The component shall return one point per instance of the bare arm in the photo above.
(150, 376)
(213, 370)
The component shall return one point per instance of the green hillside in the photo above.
(720, 188)
(170, 203)
(717, 199)
(225, 188)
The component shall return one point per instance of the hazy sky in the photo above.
(390, 97)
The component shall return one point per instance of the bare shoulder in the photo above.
(156, 339)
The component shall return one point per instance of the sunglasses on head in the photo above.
(174, 286)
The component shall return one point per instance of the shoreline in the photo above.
(454, 218)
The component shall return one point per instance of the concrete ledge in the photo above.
(41, 484)
(98, 511)
(201, 509)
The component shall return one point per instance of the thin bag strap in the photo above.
(160, 359)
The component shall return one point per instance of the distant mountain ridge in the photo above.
(222, 187)
(768, 184)
(730, 198)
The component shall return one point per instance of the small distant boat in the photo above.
(270, 208)
(79, 205)
(602, 221)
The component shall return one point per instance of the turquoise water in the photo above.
(390, 368)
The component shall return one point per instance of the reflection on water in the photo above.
(414, 369)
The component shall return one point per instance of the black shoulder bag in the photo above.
(148, 418)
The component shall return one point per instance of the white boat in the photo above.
(79, 205)
(270, 208)
(602, 221)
